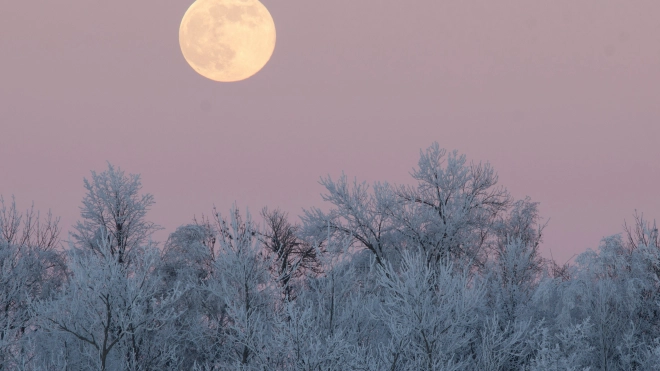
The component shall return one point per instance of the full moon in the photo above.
(227, 40)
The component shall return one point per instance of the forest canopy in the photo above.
(442, 274)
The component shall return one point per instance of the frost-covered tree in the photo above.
(189, 259)
(358, 214)
(30, 269)
(292, 256)
(513, 276)
(106, 312)
(241, 299)
(27, 229)
(189, 253)
(521, 222)
(232, 261)
(328, 325)
(515, 266)
(114, 207)
(564, 348)
(451, 210)
(431, 315)
(509, 326)
(617, 289)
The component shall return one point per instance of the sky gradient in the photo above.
(561, 97)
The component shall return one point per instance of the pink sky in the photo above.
(562, 97)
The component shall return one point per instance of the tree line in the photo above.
(443, 274)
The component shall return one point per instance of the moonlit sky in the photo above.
(561, 97)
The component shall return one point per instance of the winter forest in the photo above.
(442, 274)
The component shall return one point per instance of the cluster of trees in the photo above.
(441, 275)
